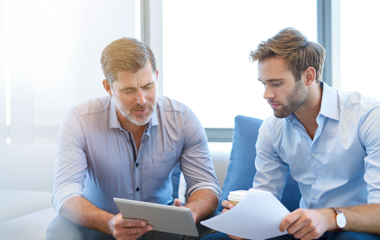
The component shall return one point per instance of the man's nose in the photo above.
(140, 97)
(268, 93)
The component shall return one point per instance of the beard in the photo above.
(293, 101)
(139, 120)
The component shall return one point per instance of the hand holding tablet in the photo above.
(164, 218)
(128, 227)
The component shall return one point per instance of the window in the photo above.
(206, 47)
(360, 49)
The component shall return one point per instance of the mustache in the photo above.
(141, 107)
(274, 102)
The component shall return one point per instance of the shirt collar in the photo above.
(329, 105)
(115, 123)
(290, 119)
(153, 121)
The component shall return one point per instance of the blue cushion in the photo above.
(176, 173)
(241, 169)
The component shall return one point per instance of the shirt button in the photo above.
(137, 189)
(137, 165)
(313, 154)
(319, 176)
(315, 197)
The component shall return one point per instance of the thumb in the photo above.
(177, 203)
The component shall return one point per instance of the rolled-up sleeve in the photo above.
(271, 170)
(370, 138)
(196, 163)
(70, 162)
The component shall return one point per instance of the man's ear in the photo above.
(309, 75)
(107, 87)
(157, 75)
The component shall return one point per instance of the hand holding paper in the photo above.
(258, 216)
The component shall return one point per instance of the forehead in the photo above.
(141, 77)
(273, 68)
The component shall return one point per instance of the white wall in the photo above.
(49, 61)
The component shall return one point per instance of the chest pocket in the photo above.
(163, 164)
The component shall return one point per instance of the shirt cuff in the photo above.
(61, 195)
(374, 197)
(206, 185)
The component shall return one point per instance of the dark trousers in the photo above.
(327, 236)
(63, 229)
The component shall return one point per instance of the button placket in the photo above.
(143, 141)
(137, 175)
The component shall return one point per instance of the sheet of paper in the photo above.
(257, 217)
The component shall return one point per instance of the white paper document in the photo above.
(257, 217)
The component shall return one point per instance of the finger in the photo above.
(177, 203)
(302, 231)
(225, 210)
(227, 204)
(146, 229)
(289, 220)
(301, 227)
(131, 223)
(135, 230)
(311, 235)
(130, 232)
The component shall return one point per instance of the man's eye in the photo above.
(263, 83)
(149, 86)
(276, 84)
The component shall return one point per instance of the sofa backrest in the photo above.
(176, 173)
(241, 169)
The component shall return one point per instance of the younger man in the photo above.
(327, 139)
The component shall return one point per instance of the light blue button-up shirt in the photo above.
(97, 159)
(339, 167)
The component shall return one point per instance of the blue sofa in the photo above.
(241, 169)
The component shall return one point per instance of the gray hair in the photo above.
(125, 54)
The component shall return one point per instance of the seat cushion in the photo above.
(241, 169)
(16, 203)
(31, 226)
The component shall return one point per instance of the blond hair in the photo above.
(298, 52)
(125, 54)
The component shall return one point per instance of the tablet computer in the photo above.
(163, 218)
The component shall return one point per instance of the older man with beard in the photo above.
(126, 145)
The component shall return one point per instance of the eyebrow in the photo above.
(132, 88)
(272, 80)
